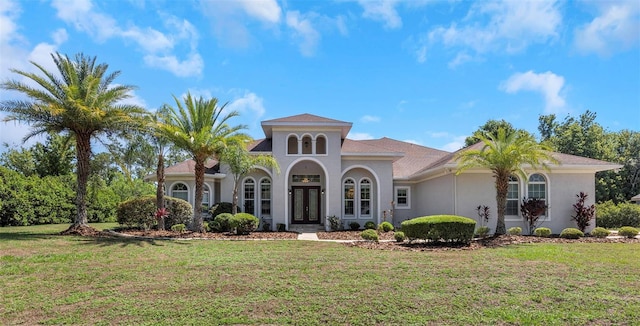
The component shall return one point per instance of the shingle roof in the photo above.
(305, 117)
(260, 145)
(189, 166)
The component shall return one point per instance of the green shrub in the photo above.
(369, 225)
(281, 227)
(482, 231)
(370, 235)
(221, 222)
(207, 228)
(448, 228)
(141, 212)
(385, 227)
(222, 207)
(628, 231)
(178, 228)
(244, 223)
(355, 226)
(399, 236)
(334, 223)
(600, 232)
(180, 211)
(542, 232)
(516, 230)
(571, 233)
(610, 215)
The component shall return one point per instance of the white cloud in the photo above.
(359, 136)
(383, 11)
(370, 118)
(249, 104)
(304, 32)
(229, 19)
(616, 28)
(192, 66)
(413, 141)
(158, 46)
(547, 83)
(509, 26)
(456, 144)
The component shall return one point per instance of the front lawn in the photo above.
(51, 279)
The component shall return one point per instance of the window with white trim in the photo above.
(265, 197)
(249, 196)
(402, 197)
(365, 197)
(513, 197)
(321, 145)
(292, 145)
(306, 145)
(179, 190)
(537, 187)
(206, 194)
(349, 187)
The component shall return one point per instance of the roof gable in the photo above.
(305, 120)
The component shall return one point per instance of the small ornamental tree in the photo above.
(532, 209)
(584, 213)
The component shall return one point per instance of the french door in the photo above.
(305, 205)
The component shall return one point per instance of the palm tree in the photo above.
(82, 101)
(198, 127)
(505, 153)
(241, 162)
(160, 145)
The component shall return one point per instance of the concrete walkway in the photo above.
(308, 236)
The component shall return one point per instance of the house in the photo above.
(636, 199)
(324, 173)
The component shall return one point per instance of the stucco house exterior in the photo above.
(323, 173)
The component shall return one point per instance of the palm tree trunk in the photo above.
(234, 206)
(502, 187)
(160, 189)
(197, 223)
(83, 152)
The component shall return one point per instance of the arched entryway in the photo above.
(307, 182)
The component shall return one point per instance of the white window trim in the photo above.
(188, 190)
(355, 207)
(545, 218)
(205, 187)
(259, 208)
(395, 197)
(516, 218)
(360, 216)
(254, 194)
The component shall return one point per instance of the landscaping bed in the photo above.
(258, 235)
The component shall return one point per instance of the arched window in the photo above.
(306, 145)
(179, 190)
(206, 195)
(265, 197)
(365, 197)
(349, 197)
(513, 197)
(538, 187)
(321, 145)
(292, 145)
(249, 196)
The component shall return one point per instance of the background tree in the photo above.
(491, 127)
(198, 127)
(583, 136)
(504, 153)
(79, 99)
(241, 162)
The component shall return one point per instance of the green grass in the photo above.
(51, 279)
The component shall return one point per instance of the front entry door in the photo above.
(305, 205)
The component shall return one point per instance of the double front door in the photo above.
(305, 203)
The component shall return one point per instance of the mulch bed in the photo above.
(386, 242)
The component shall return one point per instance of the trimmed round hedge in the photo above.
(571, 233)
(370, 235)
(141, 212)
(244, 223)
(385, 227)
(542, 232)
(600, 232)
(448, 228)
(628, 231)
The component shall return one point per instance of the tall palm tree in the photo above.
(160, 144)
(505, 153)
(241, 162)
(81, 100)
(198, 127)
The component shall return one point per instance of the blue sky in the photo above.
(429, 72)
